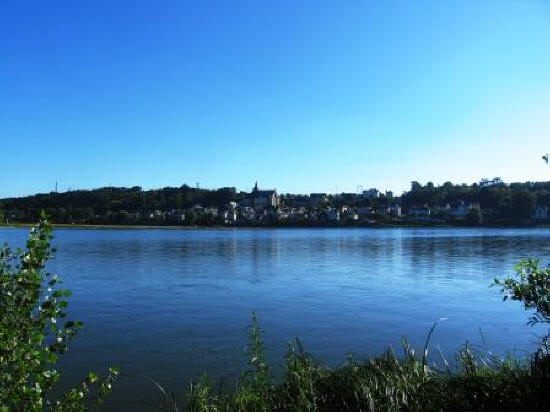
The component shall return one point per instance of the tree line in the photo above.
(499, 201)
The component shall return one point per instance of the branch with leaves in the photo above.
(33, 333)
(531, 286)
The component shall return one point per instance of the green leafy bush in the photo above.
(34, 332)
(531, 286)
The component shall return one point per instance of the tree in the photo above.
(190, 217)
(474, 217)
(531, 286)
(31, 334)
(522, 204)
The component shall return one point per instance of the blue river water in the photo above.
(168, 305)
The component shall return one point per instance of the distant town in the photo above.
(489, 202)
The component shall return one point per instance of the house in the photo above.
(350, 215)
(462, 209)
(540, 213)
(156, 214)
(297, 214)
(423, 212)
(283, 213)
(441, 210)
(296, 200)
(365, 212)
(260, 199)
(175, 216)
(395, 210)
(383, 210)
(213, 211)
(333, 215)
(371, 193)
(228, 216)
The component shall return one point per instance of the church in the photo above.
(260, 199)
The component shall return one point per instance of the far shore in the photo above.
(222, 227)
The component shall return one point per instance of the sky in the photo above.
(302, 96)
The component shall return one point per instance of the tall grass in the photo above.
(389, 382)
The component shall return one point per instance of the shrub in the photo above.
(532, 287)
(32, 332)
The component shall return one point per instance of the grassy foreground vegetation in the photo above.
(34, 333)
(385, 383)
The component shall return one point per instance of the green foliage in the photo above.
(255, 390)
(33, 330)
(505, 203)
(191, 217)
(384, 383)
(474, 217)
(522, 204)
(531, 286)
(114, 205)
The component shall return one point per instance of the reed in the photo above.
(389, 382)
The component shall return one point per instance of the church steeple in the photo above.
(255, 187)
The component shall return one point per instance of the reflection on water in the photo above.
(170, 304)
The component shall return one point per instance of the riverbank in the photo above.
(285, 226)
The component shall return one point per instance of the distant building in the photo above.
(442, 210)
(350, 215)
(296, 200)
(395, 210)
(462, 209)
(333, 215)
(229, 216)
(364, 212)
(260, 199)
(423, 212)
(371, 193)
(174, 215)
(297, 214)
(540, 213)
(383, 210)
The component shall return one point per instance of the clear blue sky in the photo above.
(299, 95)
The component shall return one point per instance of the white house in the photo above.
(229, 216)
